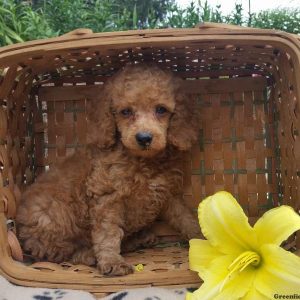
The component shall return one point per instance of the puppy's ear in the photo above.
(101, 127)
(184, 124)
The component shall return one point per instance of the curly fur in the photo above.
(99, 201)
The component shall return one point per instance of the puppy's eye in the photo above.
(160, 110)
(127, 112)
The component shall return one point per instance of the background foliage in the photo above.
(29, 20)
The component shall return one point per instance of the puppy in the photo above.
(101, 201)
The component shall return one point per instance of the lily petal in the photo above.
(276, 225)
(201, 254)
(225, 225)
(253, 294)
(279, 272)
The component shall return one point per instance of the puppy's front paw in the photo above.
(112, 266)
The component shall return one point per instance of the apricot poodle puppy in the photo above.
(100, 202)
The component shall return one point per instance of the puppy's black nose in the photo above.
(144, 138)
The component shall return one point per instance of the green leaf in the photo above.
(135, 18)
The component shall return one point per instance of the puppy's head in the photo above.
(144, 107)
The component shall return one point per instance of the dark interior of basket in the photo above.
(245, 95)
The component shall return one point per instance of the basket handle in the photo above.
(211, 25)
(80, 32)
(14, 245)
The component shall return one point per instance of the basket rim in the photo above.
(81, 38)
(202, 28)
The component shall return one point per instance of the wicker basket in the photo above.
(248, 86)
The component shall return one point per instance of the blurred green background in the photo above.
(29, 20)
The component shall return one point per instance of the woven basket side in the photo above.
(16, 130)
(286, 94)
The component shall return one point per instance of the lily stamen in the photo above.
(241, 263)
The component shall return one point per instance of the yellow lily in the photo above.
(238, 261)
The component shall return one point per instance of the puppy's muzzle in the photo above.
(144, 139)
